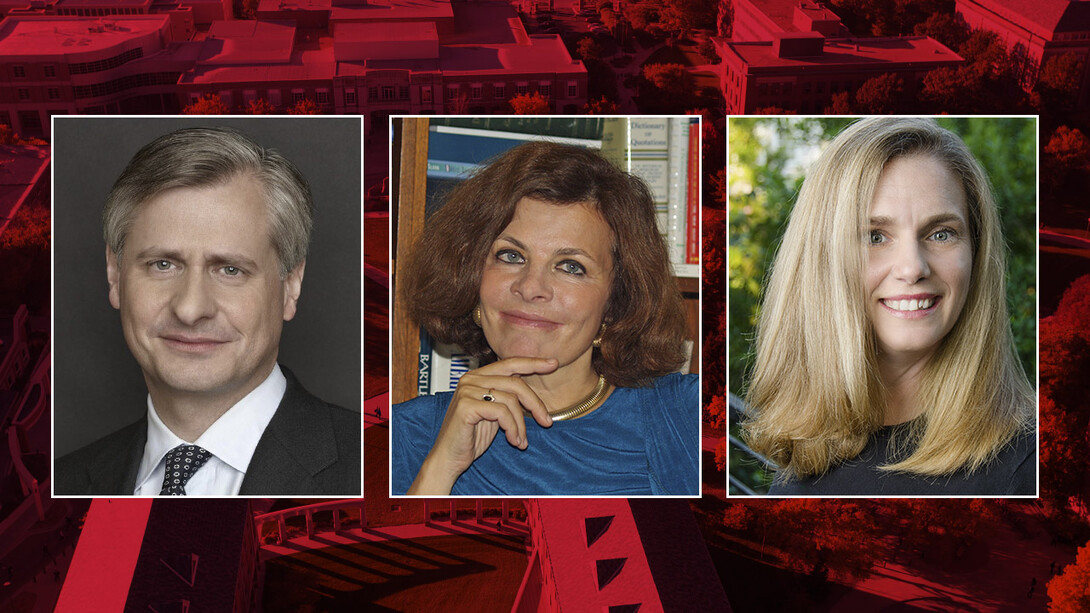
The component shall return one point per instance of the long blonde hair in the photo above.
(815, 395)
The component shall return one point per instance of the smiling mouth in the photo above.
(192, 344)
(911, 307)
(913, 304)
(527, 320)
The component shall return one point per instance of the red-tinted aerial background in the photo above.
(627, 57)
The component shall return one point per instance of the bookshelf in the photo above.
(410, 205)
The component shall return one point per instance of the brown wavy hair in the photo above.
(646, 322)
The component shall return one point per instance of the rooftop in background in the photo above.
(53, 35)
(850, 51)
(1044, 17)
(782, 12)
(489, 39)
(260, 52)
(540, 55)
(391, 10)
(113, 3)
(248, 42)
(294, 5)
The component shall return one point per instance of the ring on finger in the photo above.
(488, 397)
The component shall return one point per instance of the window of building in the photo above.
(402, 92)
(50, 71)
(476, 91)
(573, 89)
(452, 92)
(31, 122)
(24, 93)
(349, 97)
(19, 72)
(499, 91)
(323, 96)
(106, 64)
(53, 93)
(425, 93)
(275, 97)
(388, 92)
(546, 89)
(521, 89)
(297, 96)
(372, 93)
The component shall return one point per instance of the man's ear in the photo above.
(113, 277)
(293, 285)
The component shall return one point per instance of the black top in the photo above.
(1012, 473)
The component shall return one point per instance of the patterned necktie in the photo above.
(182, 462)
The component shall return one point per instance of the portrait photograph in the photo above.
(883, 306)
(546, 308)
(206, 308)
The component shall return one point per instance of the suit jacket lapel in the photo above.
(298, 443)
(115, 473)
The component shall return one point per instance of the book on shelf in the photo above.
(692, 196)
(665, 153)
(441, 365)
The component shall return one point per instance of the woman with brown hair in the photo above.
(548, 266)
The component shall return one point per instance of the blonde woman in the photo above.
(885, 363)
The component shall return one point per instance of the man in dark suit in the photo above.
(207, 236)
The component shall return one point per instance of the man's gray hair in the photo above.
(206, 157)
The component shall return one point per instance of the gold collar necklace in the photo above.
(583, 406)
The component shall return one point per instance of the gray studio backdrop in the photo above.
(98, 387)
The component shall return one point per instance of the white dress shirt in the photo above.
(231, 440)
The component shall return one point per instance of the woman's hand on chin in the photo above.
(471, 422)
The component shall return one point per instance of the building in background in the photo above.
(796, 55)
(1035, 31)
(374, 59)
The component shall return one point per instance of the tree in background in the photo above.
(1069, 591)
(949, 29)
(1058, 82)
(670, 78)
(530, 103)
(942, 529)
(9, 137)
(987, 82)
(209, 104)
(881, 95)
(600, 106)
(644, 16)
(306, 106)
(664, 88)
(890, 18)
(588, 50)
(819, 537)
(1064, 413)
(1064, 165)
(682, 17)
(24, 254)
(260, 106)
